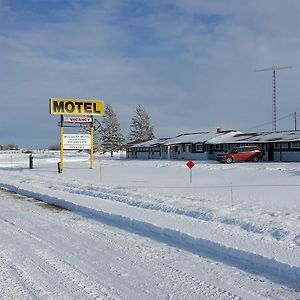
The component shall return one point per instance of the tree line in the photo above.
(109, 136)
(9, 147)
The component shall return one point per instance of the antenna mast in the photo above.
(274, 69)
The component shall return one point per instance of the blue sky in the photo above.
(190, 63)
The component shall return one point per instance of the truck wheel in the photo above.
(255, 159)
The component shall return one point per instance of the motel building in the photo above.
(151, 149)
(276, 146)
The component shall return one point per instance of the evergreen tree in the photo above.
(109, 138)
(141, 128)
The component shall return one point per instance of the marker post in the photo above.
(61, 143)
(100, 169)
(190, 165)
(92, 145)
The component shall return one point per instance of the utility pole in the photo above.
(274, 69)
(295, 120)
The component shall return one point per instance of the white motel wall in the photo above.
(275, 146)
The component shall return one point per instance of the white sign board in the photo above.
(77, 141)
(78, 119)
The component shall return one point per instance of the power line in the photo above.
(267, 123)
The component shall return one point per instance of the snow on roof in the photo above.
(256, 137)
(229, 137)
(150, 143)
(223, 137)
(192, 138)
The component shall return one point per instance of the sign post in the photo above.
(61, 143)
(92, 148)
(190, 164)
(100, 169)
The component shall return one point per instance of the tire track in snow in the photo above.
(18, 283)
(39, 272)
(185, 286)
(179, 284)
(82, 282)
(105, 294)
(182, 285)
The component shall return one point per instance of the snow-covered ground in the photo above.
(243, 217)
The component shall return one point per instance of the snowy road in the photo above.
(50, 253)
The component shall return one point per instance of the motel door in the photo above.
(270, 152)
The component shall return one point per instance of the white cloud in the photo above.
(190, 63)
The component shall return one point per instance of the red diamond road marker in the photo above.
(190, 164)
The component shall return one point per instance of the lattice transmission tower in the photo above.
(274, 69)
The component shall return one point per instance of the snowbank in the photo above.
(180, 232)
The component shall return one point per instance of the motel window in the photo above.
(199, 147)
(219, 147)
(142, 149)
(284, 145)
(188, 148)
(276, 146)
(295, 145)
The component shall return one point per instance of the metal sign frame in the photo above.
(76, 107)
(62, 124)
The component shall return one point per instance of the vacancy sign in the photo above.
(78, 119)
(77, 141)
